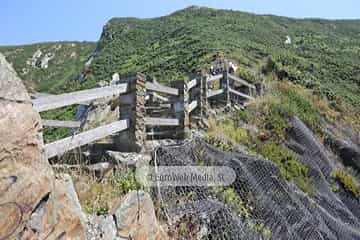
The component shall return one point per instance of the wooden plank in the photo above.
(62, 146)
(161, 89)
(55, 123)
(242, 81)
(214, 93)
(161, 98)
(240, 94)
(57, 101)
(214, 78)
(161, 121)
(41, 95)
(159, 133)
(192, 84)
(193, 105)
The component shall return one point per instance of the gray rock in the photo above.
(100, 228)
(44, 64)
(135, 217)
(126, 159)
(36, 56)
(36, 218)
(11, 87)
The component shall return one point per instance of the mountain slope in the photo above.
(49, 67)
(323, 55)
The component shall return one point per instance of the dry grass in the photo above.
(98, 196)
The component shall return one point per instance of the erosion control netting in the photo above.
(260, 204)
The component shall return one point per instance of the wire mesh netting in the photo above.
(260, 204)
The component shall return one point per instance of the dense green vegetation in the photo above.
(315, 77)
(52, 134)
(66, 63)
(323, 55)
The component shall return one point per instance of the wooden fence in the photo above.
(146, 109)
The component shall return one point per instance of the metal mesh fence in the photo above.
(260, 204)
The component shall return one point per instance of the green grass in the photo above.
(290, 102)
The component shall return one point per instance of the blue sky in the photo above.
(29, 21)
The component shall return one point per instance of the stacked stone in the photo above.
(132, 107)
(204, 105)
(180, 106)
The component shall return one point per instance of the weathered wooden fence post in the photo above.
(132, 107)
(180, 106)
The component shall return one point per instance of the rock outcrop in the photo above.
(133, 218)
(34, 204)
(37, 204)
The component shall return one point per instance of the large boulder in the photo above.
(33, 204)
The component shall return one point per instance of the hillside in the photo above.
(49, 67)
(320, 55)
(323, 55)
(294, 145)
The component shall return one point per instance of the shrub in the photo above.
(232, 199)
(239, 135)
(125, 184)
(290, 168)
(344, 177)
(225, 135)
(285, 100)
(262, 229)
(243, 116)
(218, 143)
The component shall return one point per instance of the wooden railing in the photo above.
(51, 102)
(143, 106)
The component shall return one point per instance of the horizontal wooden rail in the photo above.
(192, 84)
(60, 147)
(161, 89)
(57, 101)
(161, 133)
(192, 106)
(161, 98)
(214, 93)
(55, 123)
(41, 95)
(242, 81)
(240, 94)
(214, 78)
(162, 121)
(158, 107)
